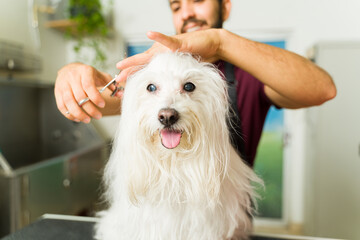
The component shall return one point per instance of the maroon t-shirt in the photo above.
(253, 106)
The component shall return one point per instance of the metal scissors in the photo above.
(83, 101)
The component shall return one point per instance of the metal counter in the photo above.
(60, 227)
(48, 164)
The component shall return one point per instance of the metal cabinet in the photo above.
(48, 164)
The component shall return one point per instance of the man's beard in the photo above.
(218, 23)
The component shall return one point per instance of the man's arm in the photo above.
(290, 80)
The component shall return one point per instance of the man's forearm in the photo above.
(293, 81)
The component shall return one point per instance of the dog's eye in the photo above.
(189, 87)
(151, 88)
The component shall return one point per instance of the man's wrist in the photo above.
(223, 35)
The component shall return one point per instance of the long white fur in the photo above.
(199, 190)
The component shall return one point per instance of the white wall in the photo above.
(309, 21)
(16, 25)
(13, 23)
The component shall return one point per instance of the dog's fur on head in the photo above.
(173, 173)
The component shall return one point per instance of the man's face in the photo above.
(193, 15)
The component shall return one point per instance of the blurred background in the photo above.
(308, 158)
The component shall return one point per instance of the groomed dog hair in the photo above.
(173, 173)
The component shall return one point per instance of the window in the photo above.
(269, 161)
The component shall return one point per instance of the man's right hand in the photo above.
(75, 82)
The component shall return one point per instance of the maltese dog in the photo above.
(173, 173)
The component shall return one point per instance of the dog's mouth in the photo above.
(170, 138)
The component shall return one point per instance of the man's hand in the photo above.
(205, 44)
(75, 82)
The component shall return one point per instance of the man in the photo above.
(265, 75)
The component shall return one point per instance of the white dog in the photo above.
(173, 173)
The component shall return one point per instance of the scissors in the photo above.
(83, 101)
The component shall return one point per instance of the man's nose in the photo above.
(187, 10)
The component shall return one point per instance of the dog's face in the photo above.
(173, 131)
(176, 102)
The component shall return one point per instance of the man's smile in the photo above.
(192, 25)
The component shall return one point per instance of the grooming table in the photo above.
(63, 227)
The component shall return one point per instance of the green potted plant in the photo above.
(90, 29)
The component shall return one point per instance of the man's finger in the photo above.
(125, 73)
(61, 106)
(74, 109)
(138, 59)
(91, 91)
(164, 43)
(169, 42)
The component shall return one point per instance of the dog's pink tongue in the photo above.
(170, 139)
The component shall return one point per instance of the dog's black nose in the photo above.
(168, 116)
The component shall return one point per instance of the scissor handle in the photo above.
(100, 91)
